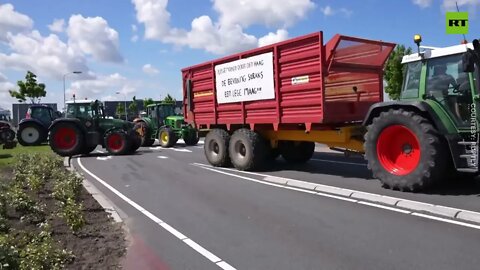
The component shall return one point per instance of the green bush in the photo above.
(71, 211)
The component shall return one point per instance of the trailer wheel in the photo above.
(216, 148)
(404, 151)
(247, 150)
(296, 152)
(191, 138)
(167, 137)
(117, 142)
(66, 139)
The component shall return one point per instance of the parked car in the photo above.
(33, 130)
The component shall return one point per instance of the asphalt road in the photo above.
(251, 225)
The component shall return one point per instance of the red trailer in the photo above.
(282, 98)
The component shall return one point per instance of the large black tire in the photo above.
(6, 134)
(167, 137)
(117, 142)
(30, 134)
(247, 150)
(146, 140)
(216, 148)
(135, 142)
(296, 152)
(66, 139)
(405, 152)
(88, 149)
(191, 138)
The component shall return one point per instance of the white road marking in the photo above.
(337, 197)
(173, 149)
(447, 220)
(385, 207)
(100, 151)
(207, 254)
(162, 157)
(339, 162)
(104, 158)
(210, 168)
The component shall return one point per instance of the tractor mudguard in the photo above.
(419, 106)
(32, 120)
(75, 121)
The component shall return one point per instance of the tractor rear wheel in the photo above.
(66, 139)
(247, 150)
(167, 137)
(296, 152)
(30, 134)
(191, 138)
(404, 151)
(117, 142)
(6, 134)
(216, 147)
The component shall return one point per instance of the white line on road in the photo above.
(173, 149)
(210, 168)
(100, 151)
(162, 157)
(447, 220)
(339, 162)
(207, 254)
(104, 158)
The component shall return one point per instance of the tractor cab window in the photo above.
(450, 86)
(411, 83)
(80, 111)
(42, 114)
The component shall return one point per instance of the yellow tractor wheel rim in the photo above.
(164, 137)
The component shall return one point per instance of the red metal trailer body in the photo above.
(315, 85)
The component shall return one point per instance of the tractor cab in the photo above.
(446, 80)
(160, 112)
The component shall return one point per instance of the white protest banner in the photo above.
(245, 79)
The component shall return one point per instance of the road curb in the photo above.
(104, 202)
(414, 206)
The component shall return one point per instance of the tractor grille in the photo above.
(178, 124)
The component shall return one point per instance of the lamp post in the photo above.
(125, 102)
(65, 75)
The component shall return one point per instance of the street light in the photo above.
(125, 102)
(64, 93)
(64, 75)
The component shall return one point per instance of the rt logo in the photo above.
(457, 22)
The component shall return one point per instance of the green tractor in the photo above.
(432, 132)
(160, 122)
(86, 126)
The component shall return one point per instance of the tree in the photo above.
(394, 71)
(147, 102)
(29, 89)
(120, 109)
(132, 107)
(169, 99)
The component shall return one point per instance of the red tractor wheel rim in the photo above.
(115, 142)
(398, 150)
(65, 138)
